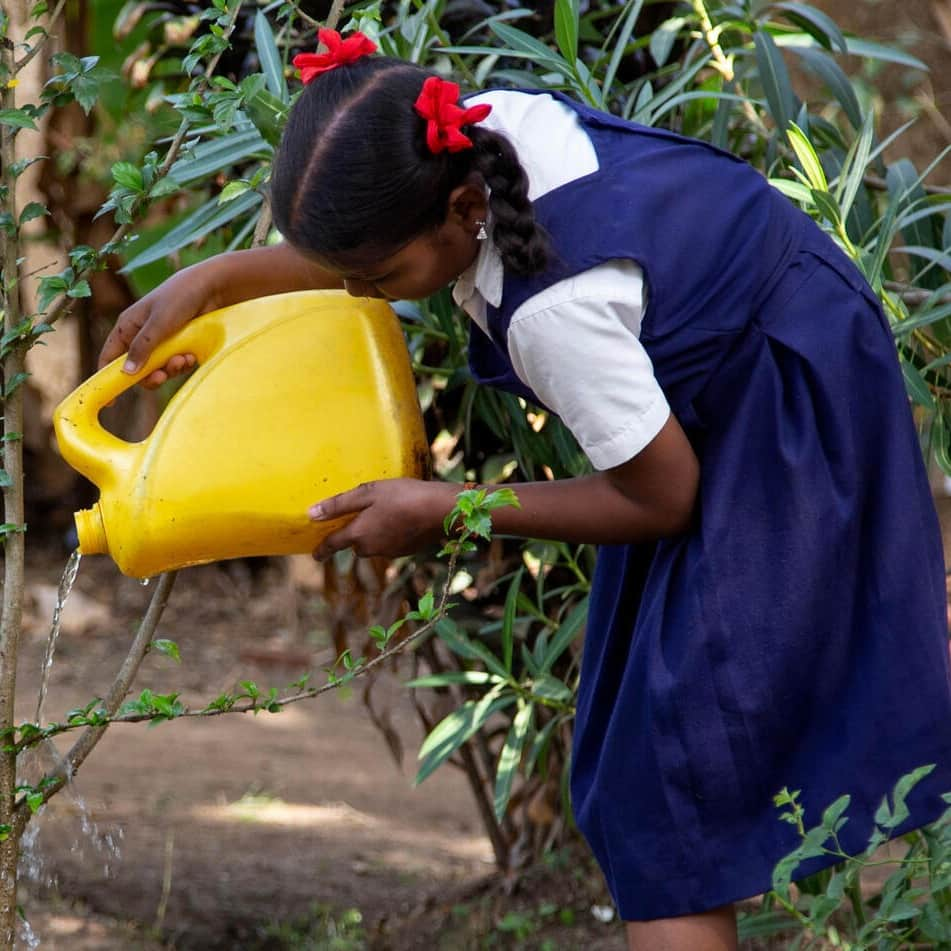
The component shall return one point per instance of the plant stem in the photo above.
(11, 620)
(41, 42)
(117, 693)
(722, 63)
(855, 898)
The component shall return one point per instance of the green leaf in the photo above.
(808, 158)
(128, 176)
(852, 174)
(620, 46)
(838, 83)
(80, 289)
(510, 757)
(164, 186)
(567, 632)
(231, 191)
(548, 687)
(827, 206)
(473, 678)
(31, 210)
(797, 191)
(168, 648)
(816, 23)
(663, 39)
(16, 118)
(201, 222)
(5, 479)
(453, 637)
(833, 814)
(566, 28)
(521, 43)
(426, 605)
(270, 57)
(508, 619)
(774, 76)
(451, 732)
(915, 385)
(210, 158)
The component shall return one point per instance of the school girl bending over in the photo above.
(768, 607)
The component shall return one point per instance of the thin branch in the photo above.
(440, 610)
(916, 295)
(879, 184)
(333, 17)
(117, 693)
(41, 42)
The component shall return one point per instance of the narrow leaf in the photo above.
(775, 79)
(566, 28)
(508, 619)
(271, 64)
(816, 23)
(510, 757)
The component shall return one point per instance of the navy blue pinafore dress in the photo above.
(796, 635)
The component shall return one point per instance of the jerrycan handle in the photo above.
(84, 443)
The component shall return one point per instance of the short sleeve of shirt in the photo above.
(576, 345)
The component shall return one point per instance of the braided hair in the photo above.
(353, 178)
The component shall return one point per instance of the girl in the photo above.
(768, 606)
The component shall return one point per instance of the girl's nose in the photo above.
(357, 288)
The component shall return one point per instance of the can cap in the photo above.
(91, 532)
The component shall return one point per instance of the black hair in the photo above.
(353, 172)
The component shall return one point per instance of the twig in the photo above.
(41, 42)
(92, 734)
(333, 17)
(879, 184)
(117, 692)
(915, 295)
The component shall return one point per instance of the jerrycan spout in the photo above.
(91, 531)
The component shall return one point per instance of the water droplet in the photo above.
(65, 586)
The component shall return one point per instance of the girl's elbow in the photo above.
(676, 514)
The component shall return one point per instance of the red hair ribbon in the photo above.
(340, 52)
(438, 104)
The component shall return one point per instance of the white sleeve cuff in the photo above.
(629, 441)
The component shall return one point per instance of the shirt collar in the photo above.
(484, 276)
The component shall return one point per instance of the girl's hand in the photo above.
(393, 517)
(219, 281)
(158, 315)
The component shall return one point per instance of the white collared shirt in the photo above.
(576, 343)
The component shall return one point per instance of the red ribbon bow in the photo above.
(340, 52)
(438, 103)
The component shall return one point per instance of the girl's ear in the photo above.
(468, 205)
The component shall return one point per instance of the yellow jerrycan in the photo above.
(296, 397)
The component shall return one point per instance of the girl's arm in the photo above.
(216, 282)
(650, 496)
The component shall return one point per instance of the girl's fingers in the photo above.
(338, 541)
(356, 500)
(122, 334)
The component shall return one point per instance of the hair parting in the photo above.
(353, 178)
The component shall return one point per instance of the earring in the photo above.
(481, 234)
